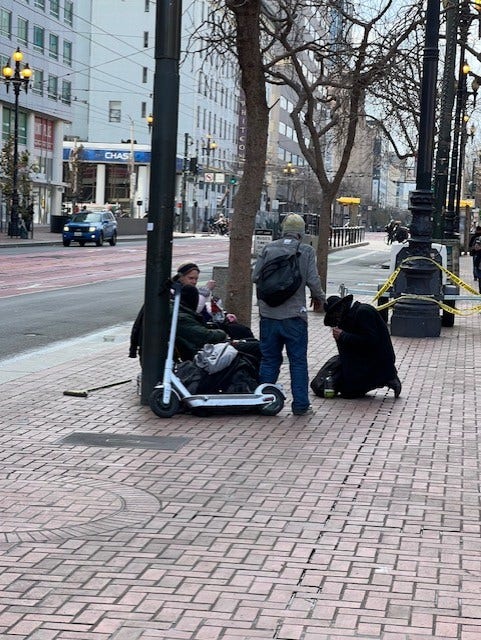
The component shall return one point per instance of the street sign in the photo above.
(261, 238)
(209, 177)
(220, 178)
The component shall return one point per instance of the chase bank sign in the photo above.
(109, 156)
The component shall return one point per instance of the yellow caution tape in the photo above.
(411, 296)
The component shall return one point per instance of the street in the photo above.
(51, 293)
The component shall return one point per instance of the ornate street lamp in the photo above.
(150, 121)
(210, 145)
(417, 314)
(19, 77)
(289, 171)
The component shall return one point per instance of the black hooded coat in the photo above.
(366, 351)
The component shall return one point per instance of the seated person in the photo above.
(188, 274)
(192, 330)
(365, 348)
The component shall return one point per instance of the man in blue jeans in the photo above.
(286, 324)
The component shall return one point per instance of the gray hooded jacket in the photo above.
(295, 306)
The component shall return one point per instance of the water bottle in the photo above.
(216, 310)
(329, 388)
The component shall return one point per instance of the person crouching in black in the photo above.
(365, 348)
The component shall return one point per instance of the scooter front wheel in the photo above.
(161, 408)
(273, 408)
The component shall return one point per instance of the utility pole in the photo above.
(445, 117)
(185, 169)
(162, 194)
(131, 169)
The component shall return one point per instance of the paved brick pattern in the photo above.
(361, 521)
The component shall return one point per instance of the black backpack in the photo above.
(280, 278)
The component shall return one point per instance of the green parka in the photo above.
(193, 333)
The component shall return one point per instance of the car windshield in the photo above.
(86, 216)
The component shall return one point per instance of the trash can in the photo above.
(57, 223)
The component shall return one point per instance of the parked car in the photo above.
(90, 226)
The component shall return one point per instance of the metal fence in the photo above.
(338, 237)
(344, 236)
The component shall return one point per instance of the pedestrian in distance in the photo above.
(285, 325)
(474, 250)
(477, 260)
(367, 358)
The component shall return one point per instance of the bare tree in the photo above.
(334, 57)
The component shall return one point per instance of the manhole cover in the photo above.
(87, 439)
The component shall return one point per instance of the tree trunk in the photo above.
(324, 233)
(246, 202)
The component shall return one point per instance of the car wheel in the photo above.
(100, 240)
(161, 408)
(113, 239)
(66, 243)
(81, 243)
(273, 408)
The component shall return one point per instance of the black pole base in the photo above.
(416, 319)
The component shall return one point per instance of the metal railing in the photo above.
(344, 236)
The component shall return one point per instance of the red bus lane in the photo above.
(59, 267)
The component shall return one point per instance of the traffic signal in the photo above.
(193, 166)
(233, 180)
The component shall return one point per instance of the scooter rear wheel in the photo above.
(273, 408)
(161, 408)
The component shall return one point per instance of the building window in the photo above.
(146, 39)
(67, 53)
(144, 74)
(8, 119)
(37, 84)
(66, 91)
(5, 23)
(52, 87)
(143, 110)
(147, 5)
(22, 29)
(68, 12)
(38, 39)
(55, 8)
(115, 110)
(40, 4)
(53, 46)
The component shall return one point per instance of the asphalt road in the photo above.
(39, 305)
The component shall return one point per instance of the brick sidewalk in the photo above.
(361, 521)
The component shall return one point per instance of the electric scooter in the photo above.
(170, 395)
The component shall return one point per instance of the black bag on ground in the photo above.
(330, 368)
(241, 376)
(190, 375)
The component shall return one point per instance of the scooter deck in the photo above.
(229, 399)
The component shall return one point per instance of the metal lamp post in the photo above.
(450, 229)
(210, 146)
(414, 316)
(19, 78)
